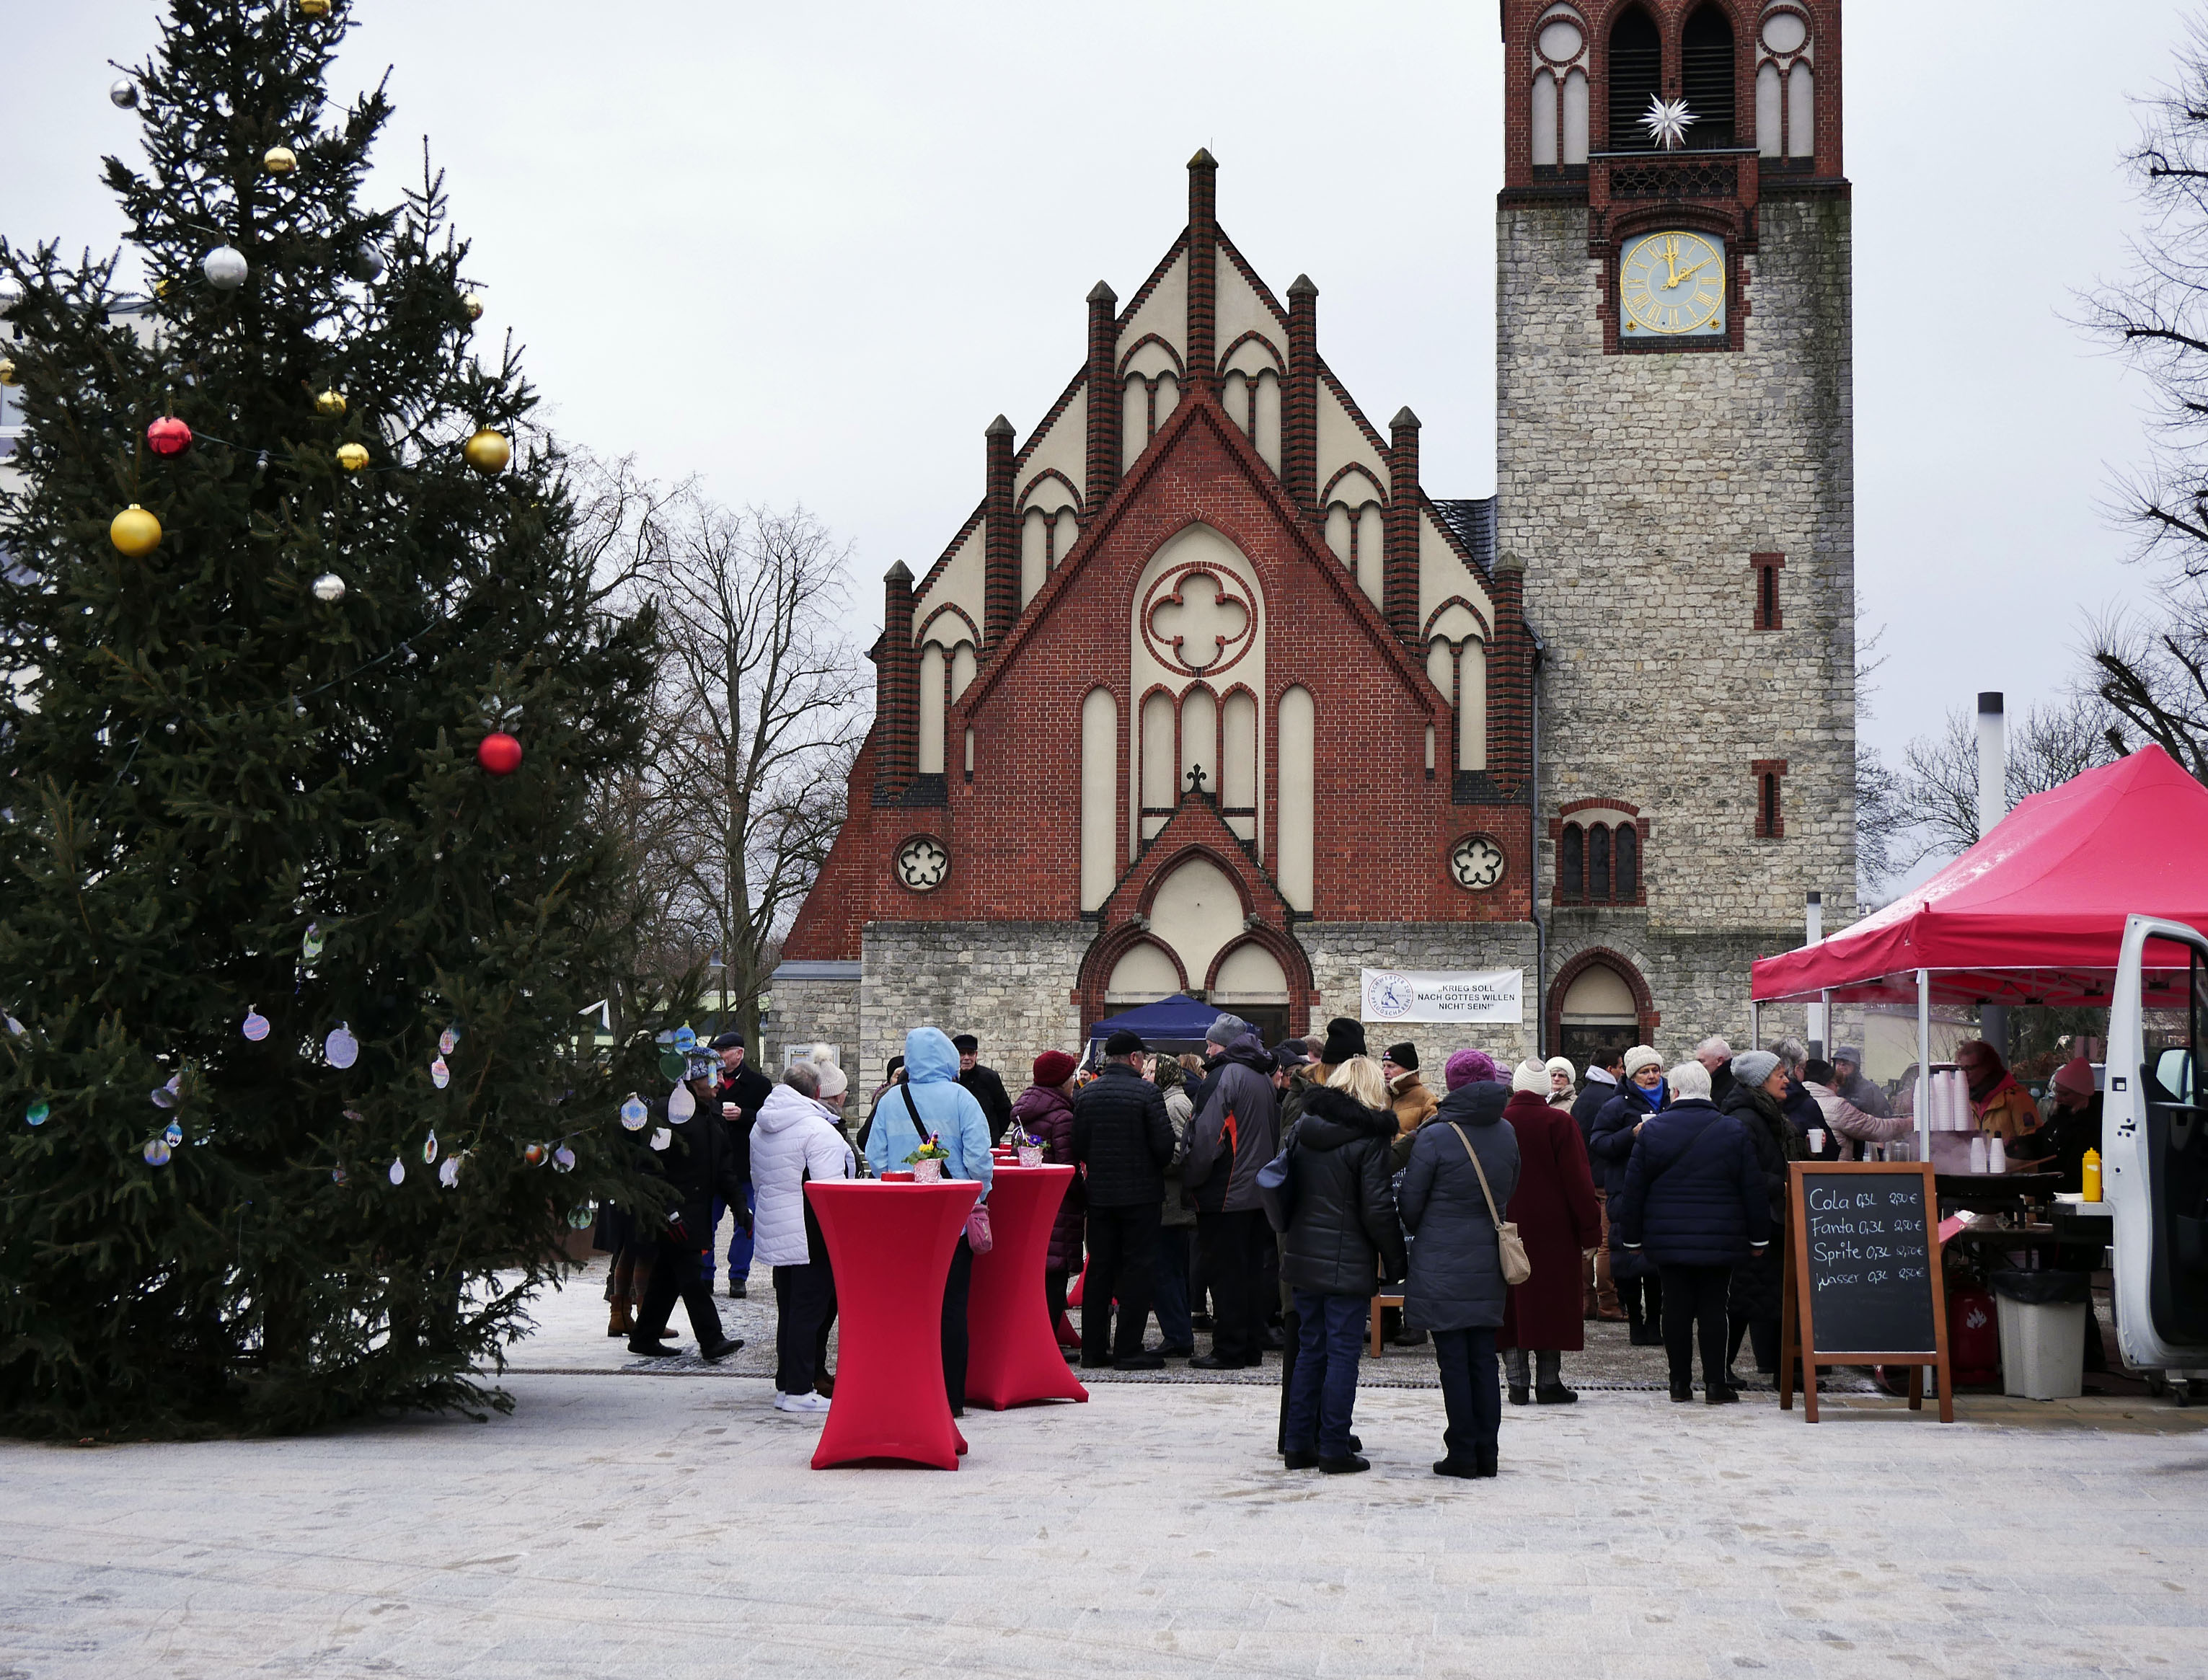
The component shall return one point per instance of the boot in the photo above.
(1649, 1298)
(1549, 1382)
(622, 1322)
(1515, 1378)
(1483, 1459)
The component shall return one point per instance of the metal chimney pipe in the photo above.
(1814, 930)
(1993, 763)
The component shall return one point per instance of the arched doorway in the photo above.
(1599, 1006)
(1250, 981)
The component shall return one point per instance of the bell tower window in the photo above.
(1705, 62)
(1637, 76)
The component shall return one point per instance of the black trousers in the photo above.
(1233, 1246)
(1123, 1257)
(804, 1303)
(679, 1270)
(1470, 1394)
(1765, 1342)
(1694, 1301)
(955, 1288)
(1054, 1286)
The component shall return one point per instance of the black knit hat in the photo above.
(1124, 1043)
(1404, 1055)
(1344, 1038)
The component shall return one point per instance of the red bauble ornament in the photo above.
(168, 436)
(500, 753)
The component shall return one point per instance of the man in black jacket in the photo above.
(1123, 1142)
(705, 1163)
(742, 1088)
(986, 1088)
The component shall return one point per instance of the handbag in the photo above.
(1277, 1186)
(979, 1236)
(1509, 1246)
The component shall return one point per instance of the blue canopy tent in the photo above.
(1178, 1022)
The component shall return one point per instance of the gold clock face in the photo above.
(1672, 284)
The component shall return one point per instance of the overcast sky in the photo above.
(809, 251)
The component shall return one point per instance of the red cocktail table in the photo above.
(1012, 1355)
(891, 1246)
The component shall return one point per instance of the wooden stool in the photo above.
(1379, 1301)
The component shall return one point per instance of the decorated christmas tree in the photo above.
(303, 692)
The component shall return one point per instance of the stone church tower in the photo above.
(1676, 473)
(1208, 694)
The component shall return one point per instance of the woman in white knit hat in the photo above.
(1561, 1076)
(1610, 1146)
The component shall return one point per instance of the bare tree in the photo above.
(1880, 822)
(1938, 790)
(2153, 677)
(763, 701)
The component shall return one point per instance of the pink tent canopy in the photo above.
(2034, 913)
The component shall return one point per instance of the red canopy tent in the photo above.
(2034, 913)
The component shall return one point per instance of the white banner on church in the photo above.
(1492, 994)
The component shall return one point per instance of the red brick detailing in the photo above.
(1644, 1004)
(1770, 612)
(1570, 807)
(1486, 630)
(1001, 591)
(1770, 798)
(896, 692)
(1511, 682)
(1202, 269)
(1105, 396)
(1399, 577)
(1300, 399)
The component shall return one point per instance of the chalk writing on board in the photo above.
(1868, 1275)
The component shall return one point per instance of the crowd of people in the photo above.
(1268, 1194)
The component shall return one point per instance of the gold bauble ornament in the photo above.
(314, 7)
(488, 452)
(134, 532)
(331, 402)
(280, 160)
(8, 375)
(473, 305)
(352, 457)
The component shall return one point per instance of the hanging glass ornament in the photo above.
(352, 457)
(352, 1114)
(225, 267)
(37, 1112)
(672, 1064)
(680, 1105)
(449, 1174)
(661, 1137)
(429, 1149)
(341, 1046)
(449, 1040)
(168, 436)
(533, 1154)
(439, 1075)
(337, 1175)
(581, 1217)
(314, 7)
(471, 306)
(329, 587)
(634, 1113)
(256, 1023)
(14, 1027)
(398, 1171)
(488, 452)
(124, 95)
(134, 532)
(685, 1040)
(499, 753)
(156, 1152)
(332, 401)
(164, 1097)
(310, 947)
(9, 375)
(280, 160)
(563, 1159)
(366, 262)
(174, 1135)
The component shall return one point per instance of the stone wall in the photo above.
(1340, 950)
(811, 1011)
(1009, 983)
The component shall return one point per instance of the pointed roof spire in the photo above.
(1204, 159)
(897, 575)
(1102, 293)
(1301, 286)
(1404, 420)
(998, 427)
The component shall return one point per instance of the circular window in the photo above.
(1784, 31)
(1560, 41)
(922, 862)
(1476, 862)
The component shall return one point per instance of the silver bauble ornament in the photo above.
(124, 95)
(366, 262)
(225, 267)
(329, 587)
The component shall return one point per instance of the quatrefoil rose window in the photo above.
(1199, 619)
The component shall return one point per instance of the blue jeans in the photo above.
(1322, 1392)
(1469, 1392)
(740, 1239)
(1169, 1289)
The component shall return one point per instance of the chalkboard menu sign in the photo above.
(1863, 1280)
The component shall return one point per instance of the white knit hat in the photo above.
(1641, 1056)
(1559, 1064)
(1530, 1076)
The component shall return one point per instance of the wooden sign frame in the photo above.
(1797, 1320)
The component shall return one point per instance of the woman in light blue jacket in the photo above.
(947, 1109)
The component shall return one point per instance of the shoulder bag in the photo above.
(1510, 1247)
(978, 1237)
(1277, 1186)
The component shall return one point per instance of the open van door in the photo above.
(2154, 1150)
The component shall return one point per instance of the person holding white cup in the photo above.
(1853, 1128)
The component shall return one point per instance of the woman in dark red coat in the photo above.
(1045, 1109)
(1558, 1220)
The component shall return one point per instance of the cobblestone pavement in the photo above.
(618, 1526)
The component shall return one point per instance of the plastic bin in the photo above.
(2043, 1333)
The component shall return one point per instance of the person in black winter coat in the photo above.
(1343, 1240)
(1234, 1133)
(1693, 1203)
(742, 1088)
(1455, 1286)
(986, 1088)
(1759, 1080)
(1610, 1145)
(704, 1160)
(1123, 1142)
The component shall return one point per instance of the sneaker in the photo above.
(783, 1402)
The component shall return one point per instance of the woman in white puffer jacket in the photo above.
(792, 1141)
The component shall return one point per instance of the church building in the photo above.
(1211, 693)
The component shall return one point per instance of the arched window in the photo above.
(1598, 865)
(1627, 865)
(1706, 64)
(1571, 864)
(1599, 862)
(1636, 74)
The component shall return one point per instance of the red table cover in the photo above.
(890, 1247)
(1012, 1355)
